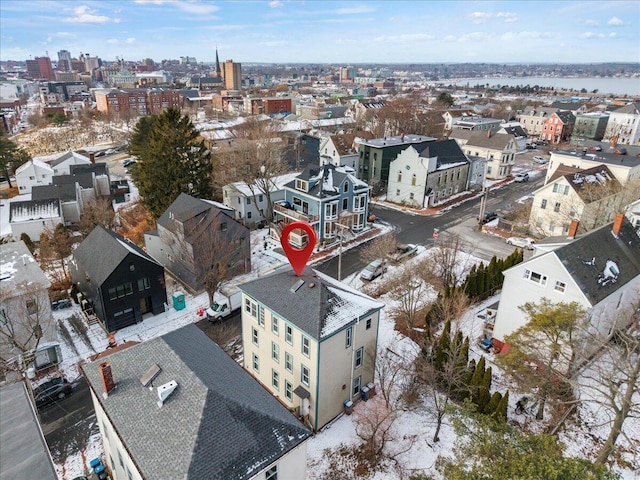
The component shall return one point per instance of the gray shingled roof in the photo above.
(219, 423)
(586, 259)
(84, 179)
(65, 193)
(320, 307)
(102, 251)
(185, 207)
(446, 151)
(316, 175)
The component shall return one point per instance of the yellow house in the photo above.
(311, 341)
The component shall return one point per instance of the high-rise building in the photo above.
(40, 68)
(232, 75)
(64, 60)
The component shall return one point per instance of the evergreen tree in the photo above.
(172, 159)
(11, 156)
(492, 275)
(442, 348)
(492, 406)
(487, 378)
(481, 278)
(476, 380)
(470, 283)
(501, 411)
(28, 242)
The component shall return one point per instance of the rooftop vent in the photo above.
(165, 390)
(296, 286)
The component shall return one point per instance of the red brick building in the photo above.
(40, 68)
(558, 127)
(141, 101)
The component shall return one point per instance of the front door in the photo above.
(145, 305)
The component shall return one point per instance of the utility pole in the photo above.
(340, 251)
(483, 199)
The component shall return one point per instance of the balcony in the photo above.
(292, 214)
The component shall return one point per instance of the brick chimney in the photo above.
(107, 378)
(92, 157)
(617, 224)
(573, 229)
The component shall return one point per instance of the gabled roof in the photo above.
(320, 307)
(566, 117)
(97, 168)
(633, 108)
(571, 106)
(446, 151)
(489, 140)
(601, 262)
(65, 193)
(102, 251)
(68, 156)
(344, 141)
(515, 130)
(539, 111)
(23, 211)
(561, 171)
(326, 180)
(594, 183)
(35, 164)
(18, 267)
(218, 423)
(84, 179)
(186, 207)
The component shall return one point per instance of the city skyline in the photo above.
(280, 31)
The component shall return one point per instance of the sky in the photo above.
(348, 32)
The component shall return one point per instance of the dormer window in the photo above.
(302, 185)
(346, 187)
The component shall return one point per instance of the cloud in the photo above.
(592, 35)
(354, 10)
(613, 35)
(130, 40)
(591, 23)
(112, 41)
(84, 15)
(408, 38)
(276, 4)
(197, 7)
(275, 43)
(509, 17)
(475, 37)
(615, 22)
(479, 17)
(450, 38)
(526, 35)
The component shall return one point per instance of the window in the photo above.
(288, 391)
(143, 284)
(414, 179)
(223, 227)
(368, 323)
(535, 277)
(556, 207)
(275, 380)
(120, 459)
(305, 346)
(560, 286)
(399, 177)
(288, 362)
(331, 209)
(261, 316)
(274, 325)
(304, 375)
(260, 198)
(355, 389)
(272, 473)
(248, 200)
(3, 317)
(248, 215)
(345, 189)
(543, 203)
(32, 307)
(254, 336)
(411, 196)
(357, 363)
(275, 352)
(120, 291)
(250, 307)
(397, 192)
(345, 203)
(256, 363)
(349, 337)
(288, 334)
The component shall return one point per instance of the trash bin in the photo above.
(94, 463)
(179, 301)
(365, 393)
(372, 390)
(348, 407)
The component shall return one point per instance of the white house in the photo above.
(623, 167)
(342, 149)
(249, 201)
(62, 164)
(34, 216)
(600, 271)
(310, 341)
(624, 125)
(178, 406)
(499, 150)
(25, 311)
(31, 174)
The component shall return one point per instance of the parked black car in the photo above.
(52, 390)
(489, 216)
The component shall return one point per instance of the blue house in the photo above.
(324, 196)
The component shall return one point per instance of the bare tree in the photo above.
(24, 320)
(54, 249)
(410, 292)
(379, 247)
(447, 264)
(97, 212)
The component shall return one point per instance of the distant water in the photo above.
(614, 86)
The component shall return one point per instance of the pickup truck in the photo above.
(402, 252)
(232, 299)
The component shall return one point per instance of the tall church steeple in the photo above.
(218, 70)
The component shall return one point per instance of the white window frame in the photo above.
(288, 362)
(275, 352)
(348, 341)
(535, 277)
(560, 287)
(288, 334)
(254, 336)
(306, 346)
(305, 375)
(358, 360)
(275, 328)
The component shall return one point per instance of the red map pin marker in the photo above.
(298, 257)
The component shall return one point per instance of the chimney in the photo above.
(107, 378)
(164, 391)
(573, 229)
(92, 157)
(617, 224)
(488, 133)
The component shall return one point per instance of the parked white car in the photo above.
(522, 177)
(540, 160)
(522, 242)
(373, 270)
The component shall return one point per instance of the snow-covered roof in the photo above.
(17, 268)
(34, 163)
(277, 183)
(34, 210)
